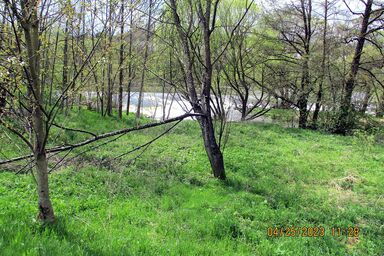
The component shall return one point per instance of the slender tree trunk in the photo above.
(83, 48)
(102, 89)
(303, 99)
(65, 65)
(346, 117)
(319, 95)
(32, 40)
(163, 99)
(244, 102)
(95, 76)
(148, 35)
(3, 93)
(53, 67)
(45, 61)
(121, 59)
(380, 107)
(110, 66)
(130, 69)
(212, 149)
(367, 96)
(3, 99)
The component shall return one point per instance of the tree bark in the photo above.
(305, 79)
(380, 107)
(148, 35)
(121, 59)
(303, 98)
(110, 66)
(212, 149)
(346, 118)
(130, 70)
(3, 95)
(367, 96)
(319, 95)
(30, 25)
(65, 65)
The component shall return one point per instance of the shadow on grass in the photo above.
(276, 195)
(60, 230)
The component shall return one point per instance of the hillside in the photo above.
(164, 200)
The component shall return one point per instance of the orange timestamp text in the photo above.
(292, 231)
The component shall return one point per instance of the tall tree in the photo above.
(206, 17)
(319, 95)
(121, 60)
(294, 22)
(145, 58)
(130, 56)
(30, 23)
(110, 79)
(346, 117)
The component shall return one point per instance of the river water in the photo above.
(159, 106)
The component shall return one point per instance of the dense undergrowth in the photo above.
(164, 201)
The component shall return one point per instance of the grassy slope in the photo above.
(167, 203)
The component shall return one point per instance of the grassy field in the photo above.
(164, 201)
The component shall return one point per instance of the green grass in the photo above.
(166, 202)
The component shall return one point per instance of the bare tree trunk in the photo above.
(303, 99)
(53, 67)
(121, 59)
(95, 76)
(102, 96)
(65, 65)
(306, 13)
(163, 98)
(3, 93)
(206, 124)
(45, 62)
(83, 48)
(211, 147)
(3, 98)
(367, 96)
(320, 89)
(380, 107)
(130, 69)
(31, 31)
(148, 35)
(346, 118)
(109, 72)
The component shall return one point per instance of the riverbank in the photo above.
(166, 202)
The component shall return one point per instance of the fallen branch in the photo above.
(100, 137)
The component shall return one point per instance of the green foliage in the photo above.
(167, 203)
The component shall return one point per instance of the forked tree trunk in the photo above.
(212, 149)
(31, 31)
